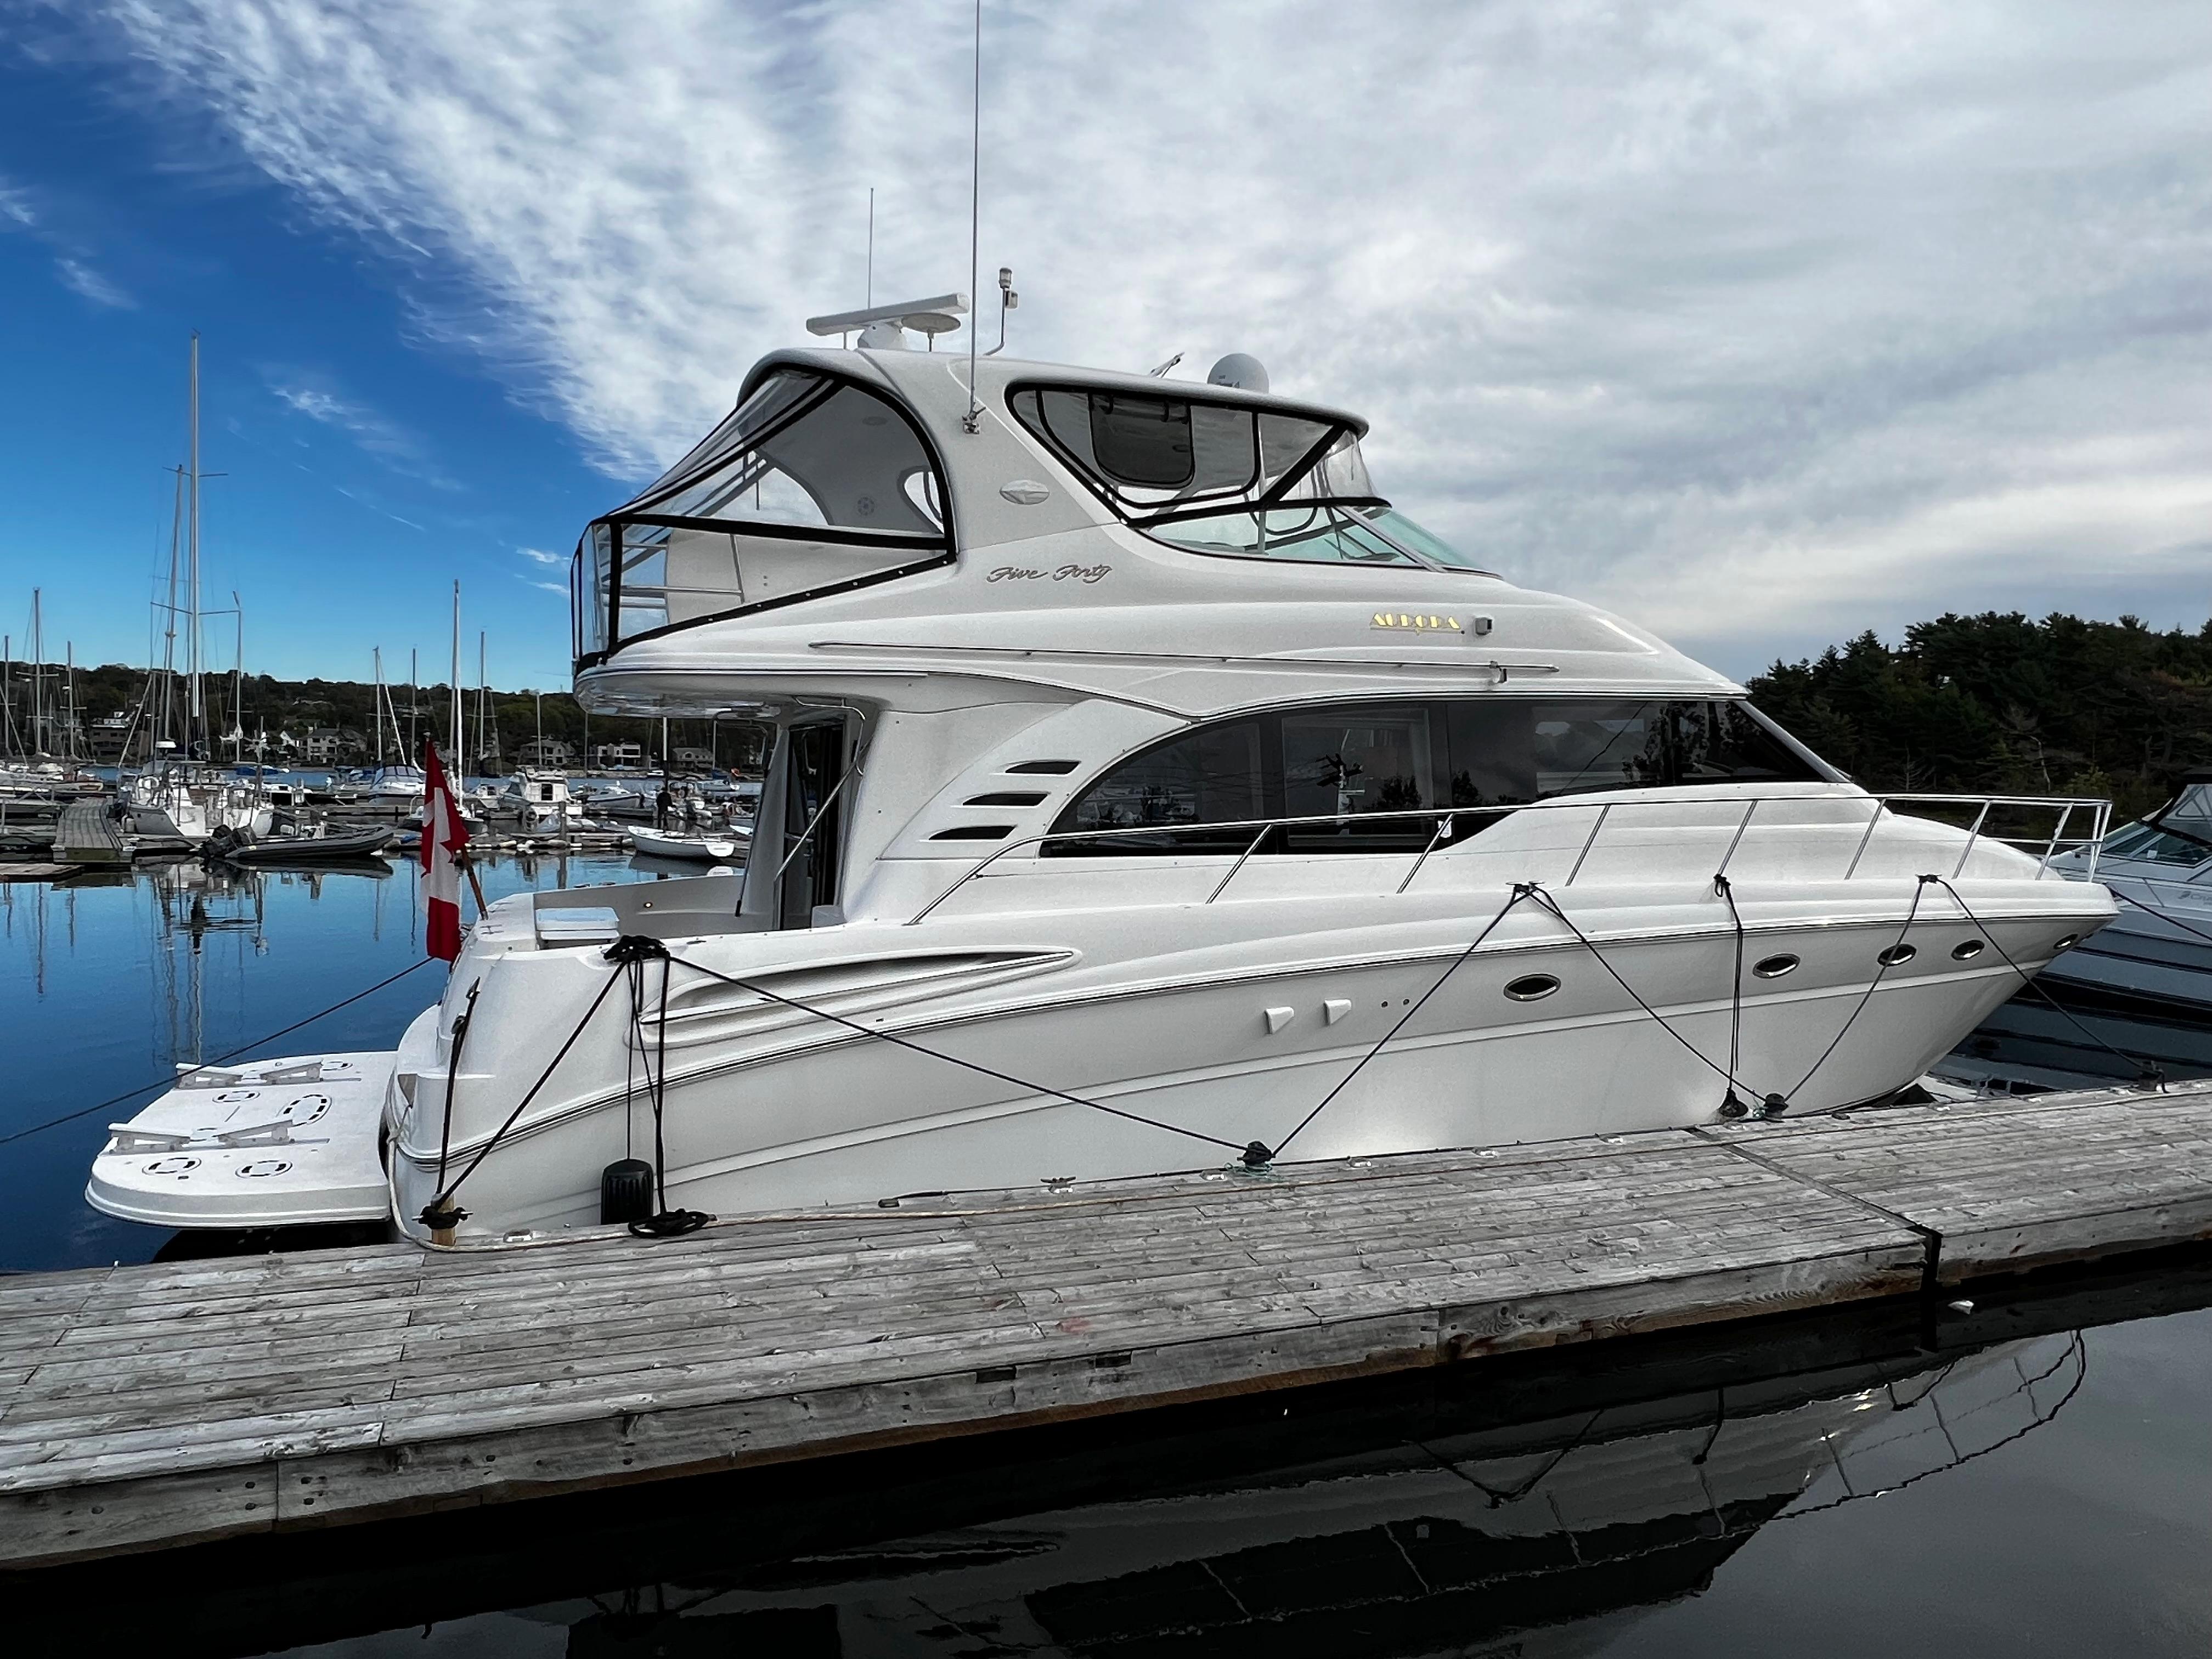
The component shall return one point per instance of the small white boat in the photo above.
(710, 846)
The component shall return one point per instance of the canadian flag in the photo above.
(445, 839)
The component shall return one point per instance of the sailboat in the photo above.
(183, 799)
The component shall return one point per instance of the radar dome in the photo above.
(1240, 370)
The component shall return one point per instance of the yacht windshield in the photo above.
(1326, 533)
(1230, 480)
(811, 483)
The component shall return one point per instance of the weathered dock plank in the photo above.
(152, 1405)
(85, 834)
(2008, 1185)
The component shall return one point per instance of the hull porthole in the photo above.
(2067, 942)
(1898, 955)
(1966, 950)
(1775, 967)
(1532, 988)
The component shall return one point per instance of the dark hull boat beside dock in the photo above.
(290, 845)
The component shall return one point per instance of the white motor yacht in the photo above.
(397, 786)
(1148, 792)
(539, 800)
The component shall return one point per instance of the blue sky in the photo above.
(366, 468)
(1761, 324)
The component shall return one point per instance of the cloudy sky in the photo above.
(1761, 324)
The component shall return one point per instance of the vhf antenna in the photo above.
(973, 419)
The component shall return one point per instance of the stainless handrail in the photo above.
(1973, 835)
(1447, 815)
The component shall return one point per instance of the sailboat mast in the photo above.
(38, 678)
(483, 690)
(376, 704)
(195, 709)
(455, 683)
(237, 675)
(165, 725)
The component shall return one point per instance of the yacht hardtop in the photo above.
(1147, 791)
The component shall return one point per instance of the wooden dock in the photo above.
(147, 1406)
(85, 834)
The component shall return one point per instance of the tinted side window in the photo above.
(1211, 776)
(1355, 763)
(1722, 743)
(1509, 752)
(1363, 759)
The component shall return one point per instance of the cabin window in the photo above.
(812, 484)
(1351, 764)
(2154, 845)
(1213, 775)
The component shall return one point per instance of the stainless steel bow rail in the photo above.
(2058, 842)
(151, 1405)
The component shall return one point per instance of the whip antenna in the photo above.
(974, 218)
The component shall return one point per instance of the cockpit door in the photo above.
(812, 823)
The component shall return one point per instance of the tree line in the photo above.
(2001, 703)
(297, 708)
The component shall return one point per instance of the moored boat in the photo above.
(1181, 799)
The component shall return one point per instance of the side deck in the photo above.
(147, 1406)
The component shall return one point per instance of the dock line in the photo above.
(177, 1077)
(1522, 890)
(2146, 1071)
(955, 1059)
(1882, 966)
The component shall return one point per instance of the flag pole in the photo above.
(453, 799)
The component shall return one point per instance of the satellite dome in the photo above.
(883, 336)
(1240, 370)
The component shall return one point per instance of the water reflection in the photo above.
(1530, 1505)
(1463, 1537)
(116, 978)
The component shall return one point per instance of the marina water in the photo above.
(1831, 1488)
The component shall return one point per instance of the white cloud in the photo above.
(80, 278)
(1747, 319)
(541, 556)
(72, 268)
(315, 396)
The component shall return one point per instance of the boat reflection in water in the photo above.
(1537, 1530)
(1535, 1504)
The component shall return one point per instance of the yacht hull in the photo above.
(1388, 1042)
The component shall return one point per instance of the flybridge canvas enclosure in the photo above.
(1156, 457)
(1229, 479)
(812, 484)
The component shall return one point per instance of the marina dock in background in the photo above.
(148, 1406)
(86, 836)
